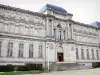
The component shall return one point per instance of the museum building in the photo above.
(48, 36)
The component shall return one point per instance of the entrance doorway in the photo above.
(60, 57)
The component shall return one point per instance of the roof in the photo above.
(42, 15)
(96, 24)
(54, 8)
(7, 7)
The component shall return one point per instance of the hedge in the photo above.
(96, 64)
(26, 67)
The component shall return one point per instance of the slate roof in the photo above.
(54, 8)
(96, 23)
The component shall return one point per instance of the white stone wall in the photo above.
(10, 26)
(99, 36)
(25, 58)
(50, 52)
(90, 48)
(34, 29)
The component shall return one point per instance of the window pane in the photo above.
(31, 50)
(77, 57)
(40, 51)
(10, 49)
(97, 54)
(0, 48)
(82, 54)
(92, 54)
(21, 48)
(88, 54)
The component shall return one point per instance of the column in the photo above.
(72, 32)
(26, 49)
(15, 49)
(57, 34)
(47, 33)
(4, 48)
(66, 35)
(62, 35)
(52, 29)
(69, 33)
(70, 27)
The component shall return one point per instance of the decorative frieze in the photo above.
(84, 32)
(35, 21)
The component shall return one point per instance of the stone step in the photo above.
(67, 66)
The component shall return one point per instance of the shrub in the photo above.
(26, 67)
(96, 64)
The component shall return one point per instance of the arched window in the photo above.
(92, 54)
(40, 51)
(82, 54)
(58, 32)
(97, 54)
(88, 54)
(0, 47)
(31, 50)
(10, 49)
(21, 48)
(77, 56)
(64, 34)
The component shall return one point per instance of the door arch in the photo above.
(60, 54)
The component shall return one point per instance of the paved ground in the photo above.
(74, 72)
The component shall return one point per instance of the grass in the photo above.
(16, 72)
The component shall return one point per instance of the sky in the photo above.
(84, 11)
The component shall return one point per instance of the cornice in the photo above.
(82, 24)
(74, 22)
(69, 14)
(7, 7)
(22, 37)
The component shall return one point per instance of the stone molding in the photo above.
(42, 15)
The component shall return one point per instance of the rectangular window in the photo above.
(60, 35)
(40, 51)
(82, 54)
(77, 56)
(97, 54)
(21, 48)
(92, 54)
(10, 49)
(0, 48)
(54, 33)
(64, 35)
(88, 54)
(31, 50)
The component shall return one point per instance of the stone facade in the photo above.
(27, 36)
